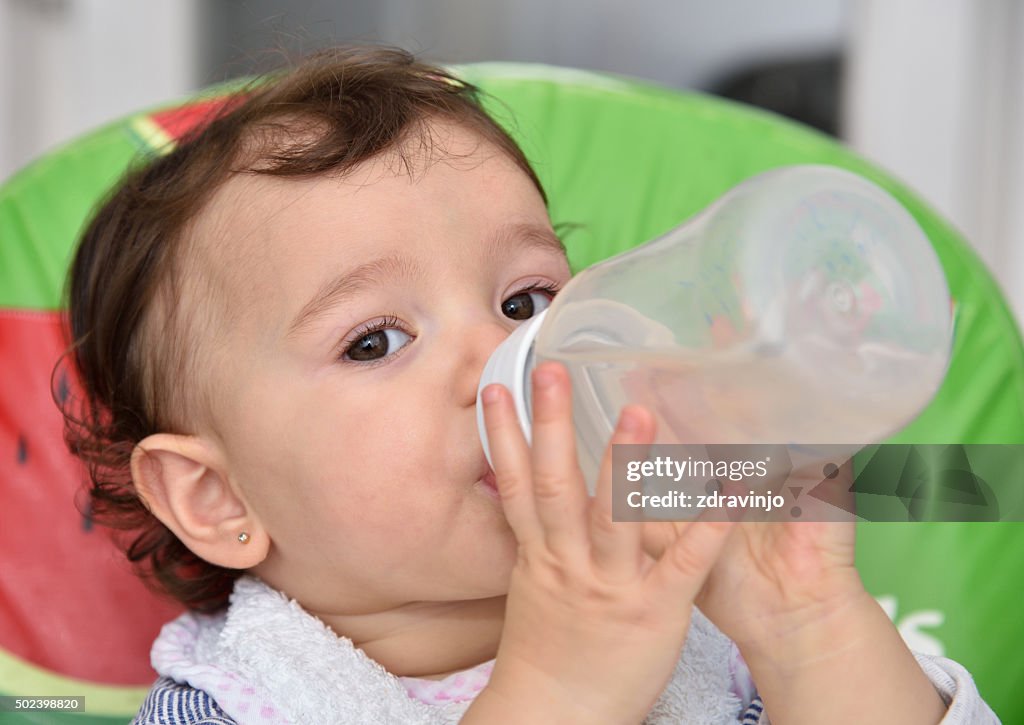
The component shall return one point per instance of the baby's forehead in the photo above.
(256, 223)
(231, 229)
(236, 223)
(262, 236)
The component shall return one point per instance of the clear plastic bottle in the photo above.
(806, 306)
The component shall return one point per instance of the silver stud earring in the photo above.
(243, 538)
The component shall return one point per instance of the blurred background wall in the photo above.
(931, 89)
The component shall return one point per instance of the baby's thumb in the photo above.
(687, 561)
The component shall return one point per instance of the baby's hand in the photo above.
(777, 580)
(788, 594)
(594, 626)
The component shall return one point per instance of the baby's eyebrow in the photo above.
(532, 235)
(347, 285)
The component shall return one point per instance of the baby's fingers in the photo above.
(686, 563)
(510, 457)
(559, 495)
(615, 546)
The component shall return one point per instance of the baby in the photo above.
(280, 327)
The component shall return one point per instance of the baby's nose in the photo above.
(481, 343)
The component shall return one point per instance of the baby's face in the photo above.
(361, 313)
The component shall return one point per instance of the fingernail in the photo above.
(491, 394)
(629, 422)
(544, 378)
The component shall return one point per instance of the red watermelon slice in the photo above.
(160, 131)
(68, 600)
(73, 617)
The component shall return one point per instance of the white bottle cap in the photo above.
(510, 365)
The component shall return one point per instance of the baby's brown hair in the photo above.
(135, 339)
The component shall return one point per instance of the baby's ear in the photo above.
(184, 482)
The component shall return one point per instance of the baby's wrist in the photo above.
(831, 624)
(824, 671)
(514, 700)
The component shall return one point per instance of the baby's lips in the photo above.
(487, 476)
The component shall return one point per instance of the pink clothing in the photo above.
(457, 687)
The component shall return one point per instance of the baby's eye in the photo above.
(524, 305)
(377, 344)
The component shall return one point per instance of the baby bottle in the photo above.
(806, 306)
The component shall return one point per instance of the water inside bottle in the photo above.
(743, 396)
